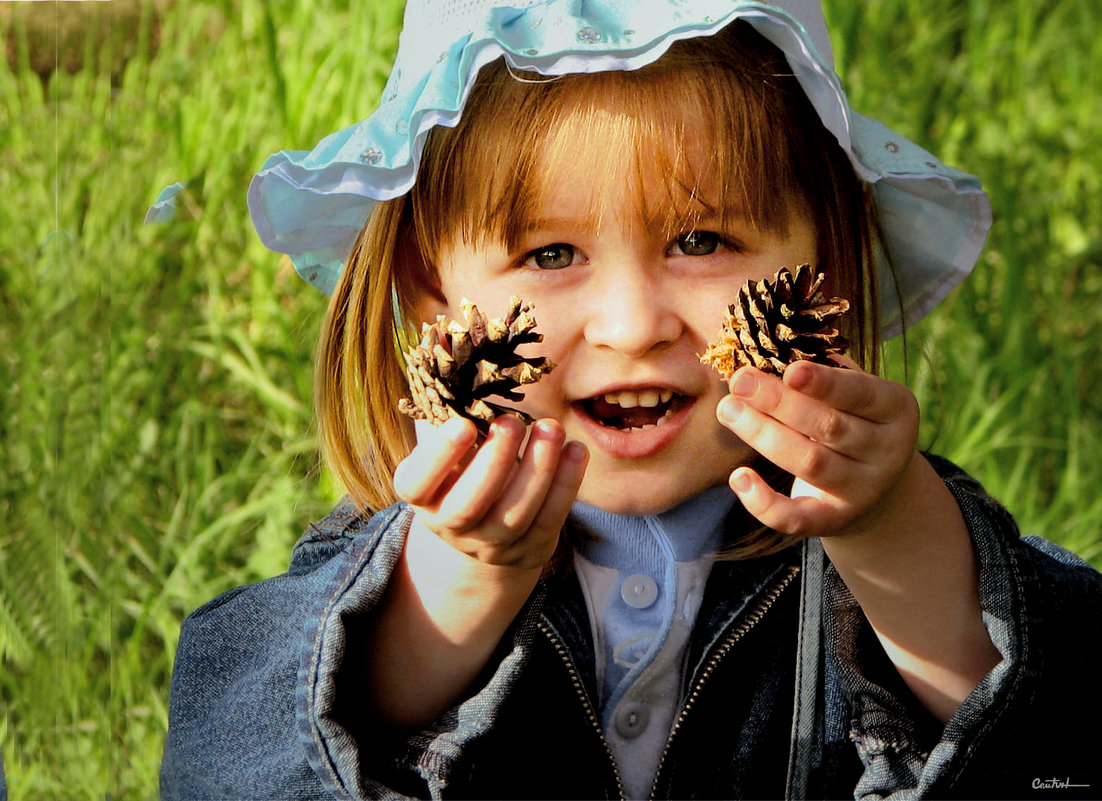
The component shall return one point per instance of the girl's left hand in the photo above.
(847, 437)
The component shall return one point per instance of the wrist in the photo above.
(461, 594)
(905, 506)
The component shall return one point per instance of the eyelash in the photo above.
(720, 242)
(528, 260)
(532, 255)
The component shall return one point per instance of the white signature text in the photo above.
(1055, 784)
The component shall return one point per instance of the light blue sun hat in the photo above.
(311, 204)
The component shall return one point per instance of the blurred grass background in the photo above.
(155, 381)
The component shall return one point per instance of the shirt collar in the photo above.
(684, 533)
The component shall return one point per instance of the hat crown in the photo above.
(932, 218)
(431, 27)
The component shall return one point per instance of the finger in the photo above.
(478, 487)
(423, 430)
(839, 430)
(544, 522)
(850, 390)
(518, 504)
(844, 361)
(792, 451)
(419, 477)
(564, 489)
(797, 517)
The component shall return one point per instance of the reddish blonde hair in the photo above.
(483, 180)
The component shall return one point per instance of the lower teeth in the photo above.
(661, 421)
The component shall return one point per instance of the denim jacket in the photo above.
(788, 692)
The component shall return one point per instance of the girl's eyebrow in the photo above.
(542, 223)
(709, 217)
(713, 218)
(695, 210)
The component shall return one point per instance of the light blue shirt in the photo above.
(643, 579)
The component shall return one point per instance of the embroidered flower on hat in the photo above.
(590, 35)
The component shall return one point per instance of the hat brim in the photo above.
(933, 218)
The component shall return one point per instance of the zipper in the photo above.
(718, 654)
(579, 687)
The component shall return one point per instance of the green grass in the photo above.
(1005, 369)
(155, 420)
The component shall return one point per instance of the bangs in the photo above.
(697, 136)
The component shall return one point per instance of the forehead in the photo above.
(609, 160)
(670, 143)
(649, 149)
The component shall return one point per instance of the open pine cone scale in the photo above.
(457, 366)
(774, 322)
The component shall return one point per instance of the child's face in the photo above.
(625, 313)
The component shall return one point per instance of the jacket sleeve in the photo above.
(236, 726)
(264, 701)
(1019, 733)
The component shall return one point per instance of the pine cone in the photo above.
(776, 322)
(457, 366)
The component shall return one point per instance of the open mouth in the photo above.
(634, 410)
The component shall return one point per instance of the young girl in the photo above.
(666, 586)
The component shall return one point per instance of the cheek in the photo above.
(471, 274)
(545, 398)
(706, 311)
(557, 313)
(560, 332)
(801, 246)
(709, 319)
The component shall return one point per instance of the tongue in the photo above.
(639, 417)
(615, 416)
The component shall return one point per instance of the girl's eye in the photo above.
(551, 257)
(696, 243)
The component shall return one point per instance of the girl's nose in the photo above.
(632, 313)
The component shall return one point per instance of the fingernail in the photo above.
(744, 385)
(730, 408)
(575, 452)
(454, 428)
(504, 423)
(740, 482)
(798, 377)
(545, 428)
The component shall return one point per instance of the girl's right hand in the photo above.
(486, 521)
(495, 504)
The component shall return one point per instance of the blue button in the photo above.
(639, 591)
(631, 719)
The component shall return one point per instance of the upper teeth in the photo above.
(648, 398)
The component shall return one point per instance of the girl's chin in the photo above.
(636, 493)
(651, 486)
